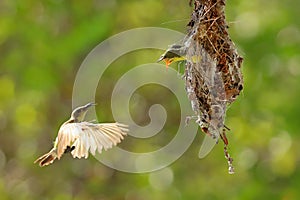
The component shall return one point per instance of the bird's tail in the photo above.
(47, 158)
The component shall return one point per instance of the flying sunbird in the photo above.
(81, 137)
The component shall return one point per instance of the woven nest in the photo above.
(214, 81)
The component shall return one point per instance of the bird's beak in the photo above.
(90, 104)
(160, 59)
(168, 62)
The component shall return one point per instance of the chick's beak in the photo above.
(168, 62)
(160, 59)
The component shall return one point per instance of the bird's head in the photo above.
(172, 54)
(79, 113)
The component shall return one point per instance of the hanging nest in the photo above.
(215, 79)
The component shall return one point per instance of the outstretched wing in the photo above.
(87, 137)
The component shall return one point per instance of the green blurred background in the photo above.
(42, 44)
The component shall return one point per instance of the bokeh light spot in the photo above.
(161, 179)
